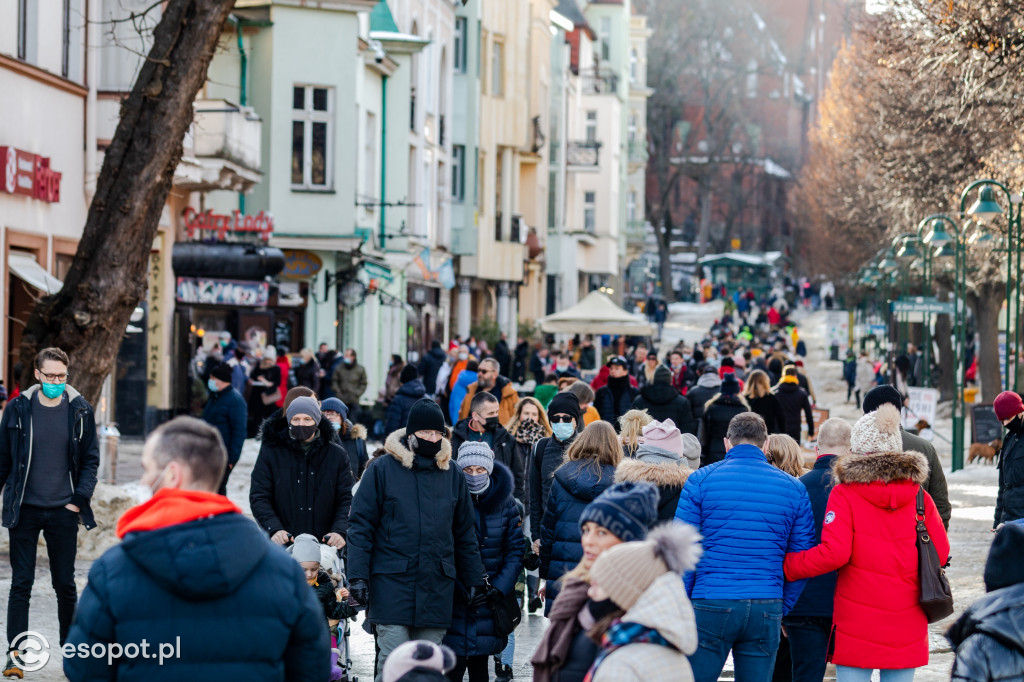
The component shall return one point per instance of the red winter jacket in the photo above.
(869, 536)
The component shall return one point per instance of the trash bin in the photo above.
(970, 394)
(109, 437)
(834, 351)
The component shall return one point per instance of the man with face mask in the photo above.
(616, 398)
(1009, 410)
(484, 425)
(490, 380)
(226, 411)
(566, 420)
(221, 568)
(302, 480)
(349, 381)
(413, 536)
(49, 457)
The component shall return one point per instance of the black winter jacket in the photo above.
(989, 638)
(239, 604)
(610, 409)
(430, 365)
(935, 486)
(354, 442)
(398, 410)
(575, 485)
(1010, 498)
(817, 598)
(794, 400)
(226, 412)
(548, 455)
(412, 535)
(664, 402)
(770, 409)
(308, 375)
(504, 451)
(301, 491)
(16, 454)
(699, 395)
(717, 416)
(499, 531)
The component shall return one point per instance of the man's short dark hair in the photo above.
(51, 354)
(355, 355)
(480, 399)
(747, 428)
(195, 444)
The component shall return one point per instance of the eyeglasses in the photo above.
(55, 378)
(561, 419)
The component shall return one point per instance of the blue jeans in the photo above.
(848, 674)
(750, 628)
(808, 646)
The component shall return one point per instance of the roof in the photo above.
(571, 11)
(381, 18)
(757, 260)
(595, 314)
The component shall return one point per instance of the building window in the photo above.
(591, 130)
(312, 137)
(631, 206)
(634, 66)
(632, 125)
(606, 39)
(589, 211)
(458, 172)
(498, 68)
(28, 30)
(370, 152)
(461, 34)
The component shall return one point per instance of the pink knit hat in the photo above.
(664, 436)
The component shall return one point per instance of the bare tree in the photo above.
(107, 279)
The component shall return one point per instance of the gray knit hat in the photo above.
(306, 548)
(304, 405)
(476, 453)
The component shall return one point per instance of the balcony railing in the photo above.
(226, 131)
(514, 234)
(583, 154)
(599, 82)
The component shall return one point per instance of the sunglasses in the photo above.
(561, 419)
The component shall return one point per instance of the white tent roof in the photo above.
(595, 314)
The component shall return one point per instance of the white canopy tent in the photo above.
(596, 314)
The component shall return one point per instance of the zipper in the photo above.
(28, 467)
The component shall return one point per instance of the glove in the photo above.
(493, 594)
(477, 596)
(359, 592)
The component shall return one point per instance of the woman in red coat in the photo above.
(869, 536)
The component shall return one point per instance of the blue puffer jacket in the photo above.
(750, 515)
(575, 485)
(499, 527)
(459, 391)
(818, 596)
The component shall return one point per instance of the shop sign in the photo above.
(29, 175)
(378, 271)
(301, 264)
(219, 224)
(222, 292)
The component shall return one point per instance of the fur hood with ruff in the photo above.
(397, 446)
(887, 467)
(660, 475)
(734, 400)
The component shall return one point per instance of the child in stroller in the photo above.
(326, 575)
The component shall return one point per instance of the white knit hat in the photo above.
(877, 431)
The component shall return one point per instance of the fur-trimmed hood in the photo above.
(355, 431)
(498, 492)
(397, 446)
(660, 475)
(884, 467)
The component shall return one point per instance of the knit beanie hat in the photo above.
(663, 436)
(425, 415)
(306, 548)
(566, 403)
(882, 395)
(408, 373)
(304, 405)
(877, 432)
(476, 453)
(334, 405)
(1007, 404)
(662, 375)
(222, 372)
(1005, 565)
(628, 510)
(625, 571)
(418, 654)
(730, 384)
(691, 450)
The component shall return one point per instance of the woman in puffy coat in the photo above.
(662, 460)
(588, 470)
(499, 529)
(878, 622)
(718, 412)
(663, 402)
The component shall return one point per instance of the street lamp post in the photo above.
(908, 251)
(926, 267)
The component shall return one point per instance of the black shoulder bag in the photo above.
(936, 597)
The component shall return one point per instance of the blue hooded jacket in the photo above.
(750, 515)
(459, 392)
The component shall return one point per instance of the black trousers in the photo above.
(223, 489)
(59, 526)
(476, 665)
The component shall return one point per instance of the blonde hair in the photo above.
(785, 453)
(631, 428)
(758, 385)
(513, 426)
(598, 445)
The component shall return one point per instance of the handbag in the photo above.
(936, 597)
(508, 614)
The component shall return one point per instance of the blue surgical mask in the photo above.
(52, 391)
(211, 384)
(477, 482)
(336, 426)
(563, 431)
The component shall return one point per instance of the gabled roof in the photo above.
(381, 18)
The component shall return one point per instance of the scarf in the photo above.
(619, 635)
(529, 432)
(789, 380)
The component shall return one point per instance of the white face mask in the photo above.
(150, 490)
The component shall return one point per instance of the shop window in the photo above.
(312, 137)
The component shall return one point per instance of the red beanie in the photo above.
(1007, 404)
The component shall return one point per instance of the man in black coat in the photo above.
(707, 387)
(539, 365)
(483, 425)
(431, 364)
(413, 536)
(809, 624)
(549, 453)
(615, 398)
(519, 364)
(503, 355)
(226, 412)
(409, 393)
(302, 480)
(794, 401)
(664, 402)
(197, 582)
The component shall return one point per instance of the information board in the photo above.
(985, 426)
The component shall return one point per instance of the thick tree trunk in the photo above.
(987, 301)
(107, 279)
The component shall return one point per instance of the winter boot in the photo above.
(12, 668)
(502, 673)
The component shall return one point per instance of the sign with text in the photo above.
(29, 175)
(222, 292)
(819, 416)
(921, 406)
(921, 304)
(299, 264)
(837, 322)
(219, 225)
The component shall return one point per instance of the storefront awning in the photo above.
(27, 269)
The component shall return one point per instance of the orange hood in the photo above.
(172, 506)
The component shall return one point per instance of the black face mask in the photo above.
(424, 448)
(1015, 426)
(600, 609)
(492, 423)
(301, 433)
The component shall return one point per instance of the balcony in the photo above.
(583, 154)
(515, 234)
(599, 82)
(636, 230)
(225, 139)
(638, 151)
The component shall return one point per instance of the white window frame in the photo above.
(631, 205)
(590, 126)
(606, 39)
(308, 117)
(459, 43)
(590, 212)
(634, 65)
(497, 67)
(632, 126)
(458, 172)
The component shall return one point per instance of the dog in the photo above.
(987, 452)
(921, 425)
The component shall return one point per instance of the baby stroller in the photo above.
(332, 562)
